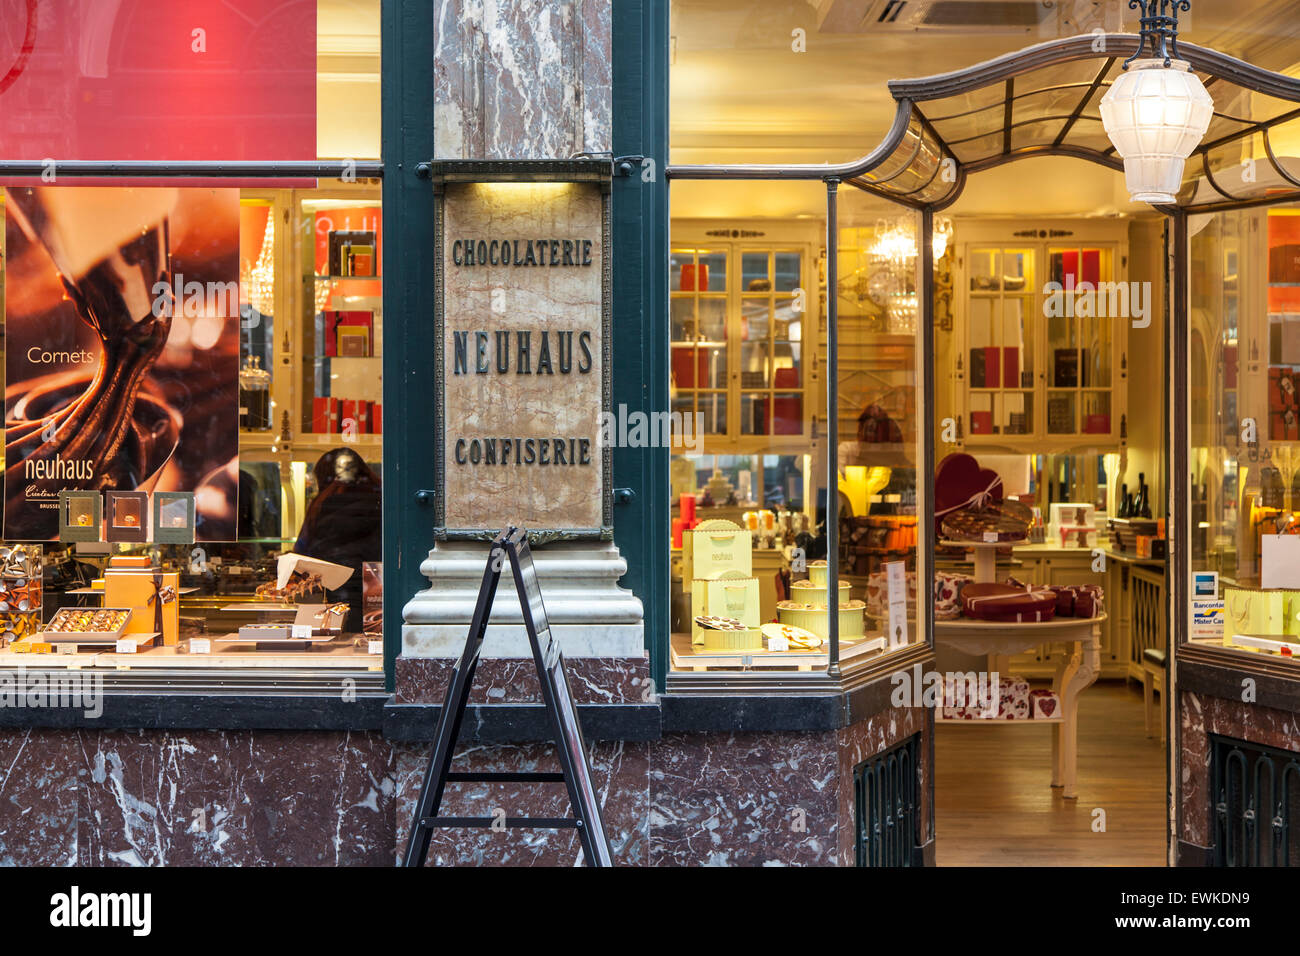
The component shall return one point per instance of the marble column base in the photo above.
(587, 609)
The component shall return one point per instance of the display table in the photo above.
(1075, 672)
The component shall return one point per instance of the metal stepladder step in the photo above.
(575, 773)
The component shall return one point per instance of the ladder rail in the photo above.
(571, 748)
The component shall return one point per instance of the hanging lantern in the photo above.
(1156, 112)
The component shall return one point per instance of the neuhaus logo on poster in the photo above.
(74, 909)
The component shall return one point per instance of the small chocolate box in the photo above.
(173, 517)
(127, 517)
(80, 515)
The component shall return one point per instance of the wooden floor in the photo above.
(994, 805)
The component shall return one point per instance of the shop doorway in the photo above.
(1037, 381)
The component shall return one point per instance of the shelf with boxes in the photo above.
(1039, 356)
(727, 629)
(311, 352)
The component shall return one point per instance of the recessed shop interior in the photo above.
(1070, 409)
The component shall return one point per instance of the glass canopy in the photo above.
(1045, 100)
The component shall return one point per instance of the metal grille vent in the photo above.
(1256, 800)
(886, 808)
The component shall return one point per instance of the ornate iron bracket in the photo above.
(1159, 26)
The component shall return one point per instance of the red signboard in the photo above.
(139, 80)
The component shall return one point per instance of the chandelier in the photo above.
(892, 254)
(259, 279)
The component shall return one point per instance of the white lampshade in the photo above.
(1156, 115)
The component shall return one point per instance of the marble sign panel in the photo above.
(524, 360)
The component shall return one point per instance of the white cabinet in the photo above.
(1042, 314)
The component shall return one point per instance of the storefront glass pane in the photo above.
(748, 500)
(193, 426)
(1244, 367)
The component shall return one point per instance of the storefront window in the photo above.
(1244, 341)
(749, 317)
(194, 406)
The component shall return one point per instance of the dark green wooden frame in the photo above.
(640, 319)
(640, 101)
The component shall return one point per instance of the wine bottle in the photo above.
(1123, 501)
(1144, 497)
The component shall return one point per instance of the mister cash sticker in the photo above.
(1207, 620)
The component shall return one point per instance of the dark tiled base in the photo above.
(1201, 715)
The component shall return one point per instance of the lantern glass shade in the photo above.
(1156, 115)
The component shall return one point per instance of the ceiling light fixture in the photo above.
(1157, 112)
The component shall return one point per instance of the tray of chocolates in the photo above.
(84, 625)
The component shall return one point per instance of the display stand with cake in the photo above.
(727, 629)
(808, 608)
(1002, 619)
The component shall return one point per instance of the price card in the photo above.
(1280, 561)
(990, 537)
(778, 644)
(300, 631)
(200, 645)
(374, 647)
(896, 587)
(125, 645)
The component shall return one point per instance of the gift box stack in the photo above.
(1079, 600)
(1283, 404)
(947, 594)
(878, 594)
(1015, 700)
(718, 565)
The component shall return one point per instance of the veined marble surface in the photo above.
(1201, 715)
(153, 798)
(529, 79)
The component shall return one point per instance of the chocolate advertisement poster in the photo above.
(121, 315)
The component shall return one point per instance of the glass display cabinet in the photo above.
(1042, 314)
(311, 339)
(741, 304)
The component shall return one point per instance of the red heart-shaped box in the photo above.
(960, 482)
(1043, 703)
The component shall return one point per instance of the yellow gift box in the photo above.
(134, 588)
(730, 595)
(31, 647)
(715, 546)
(1256, 612)
(750, 639)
